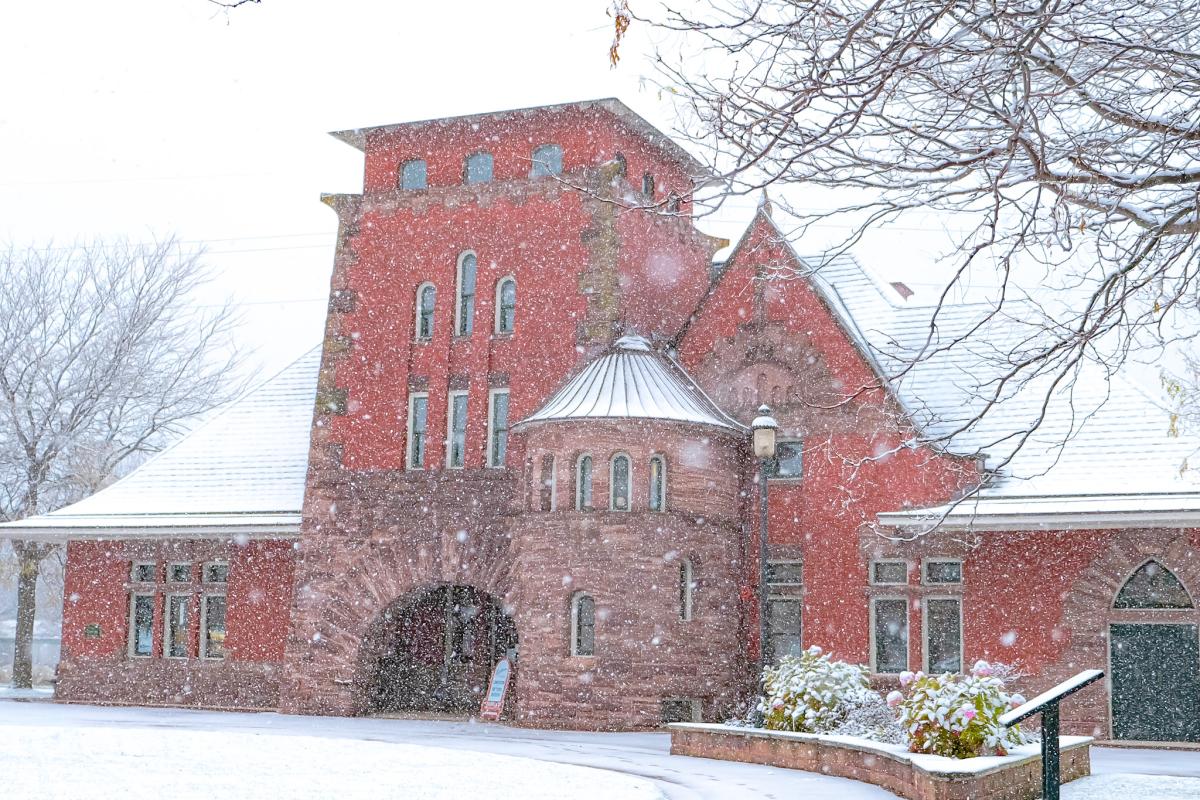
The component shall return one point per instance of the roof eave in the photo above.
(935, 519)
(66, 528)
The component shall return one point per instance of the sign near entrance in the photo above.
(493, 704)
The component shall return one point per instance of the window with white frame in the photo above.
(478, 168)
(583, 483)
(943, 571)
(687, 587)
(785, 573)
(583, 625)
(547, 160)
(179, 572)
(546, 484)
(141, 625)
(143, 572)
(418, 419)
(175, 641)
(213, 612)
(658, 483)
(456, 438)
(413, 174)
(216, 572)
(506, 305)
(888, 572)
(426, 303)
(943, 635)
(618, 483)
(889, 634)
(464, 309)
(498, 427)
(789, 461)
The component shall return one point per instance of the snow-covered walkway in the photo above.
(52, 751)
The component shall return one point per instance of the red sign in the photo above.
(493, 704)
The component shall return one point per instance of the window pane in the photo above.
(177, 627)
(783, 628)
(889, 572)
(583, 489)
(144, 573)
(458, 430)
(506, 309)
(620, 483)
(547, 160)
(217, 573)
(466, 294)
(428, 300)
(585, 626)
(788, 460)
(416, 450)
(412, 174)
(943, 572)
(785, 573)
(499, 444)
(143, 625)
(181, 573)
(891, 635)
(944, 635)
(479, 168)
(657, 484)
(214, 626)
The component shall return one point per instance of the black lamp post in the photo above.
(764, 428)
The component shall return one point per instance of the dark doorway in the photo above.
(1155, 682)
(437, 649)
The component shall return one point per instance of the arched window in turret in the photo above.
(583, 625)
(687, 585)
(583, 483)
(618, 491)
(658, 483)
(546, 484)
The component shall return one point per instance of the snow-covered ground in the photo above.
(53, 751)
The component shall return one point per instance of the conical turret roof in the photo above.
(632, 381)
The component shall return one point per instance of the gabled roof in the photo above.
(632, 381)
(357, 137)
(241, 472)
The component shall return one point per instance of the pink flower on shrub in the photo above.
(968, 712)
(894, 699)
(1017, 700)
(906, 678)
(982, 669)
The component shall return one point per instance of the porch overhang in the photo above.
(1051, 513)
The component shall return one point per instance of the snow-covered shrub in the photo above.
(869, 717)
(812, 693)
(957, 715)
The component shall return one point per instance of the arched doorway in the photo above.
(1154, 654)
(435, 650)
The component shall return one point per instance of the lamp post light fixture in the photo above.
(764, 428)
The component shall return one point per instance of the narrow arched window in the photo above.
(546, 484)
(506, 305)
(687, 585)
(464, 314)
(619, 483)
(547, 160)
(648, 186)
(583, 625)
(478, 168)
(426, 300)
(583, 483)
(412, 174)
(658, 484)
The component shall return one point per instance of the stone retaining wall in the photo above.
(1017, 776)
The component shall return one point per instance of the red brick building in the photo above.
(529, 440)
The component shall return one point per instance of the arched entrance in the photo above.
(434, 651)
(1154, 653)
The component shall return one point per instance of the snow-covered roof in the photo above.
(241, 472)
(632, 381)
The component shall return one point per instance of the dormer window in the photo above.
(478, 168)
(412, 174)
(547, 160)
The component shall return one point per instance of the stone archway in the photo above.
(433, 650)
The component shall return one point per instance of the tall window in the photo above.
(412, 174)
(658, 483)
(889, 620)
(478, 168)
(175, 645)
(212, 626)
(547, 160)
(418, 417)
(943, 635)
(618, 492)
(426, 300)
(789, 460)
(546, 484)
(464, 313)
(583, 625)
(583, 483)
(456, 441)
(141, 625)
(506, 305)
(785, 609)
(687, 585)
(648, 185)
(498, 428)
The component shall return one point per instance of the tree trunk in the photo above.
(29, 558)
